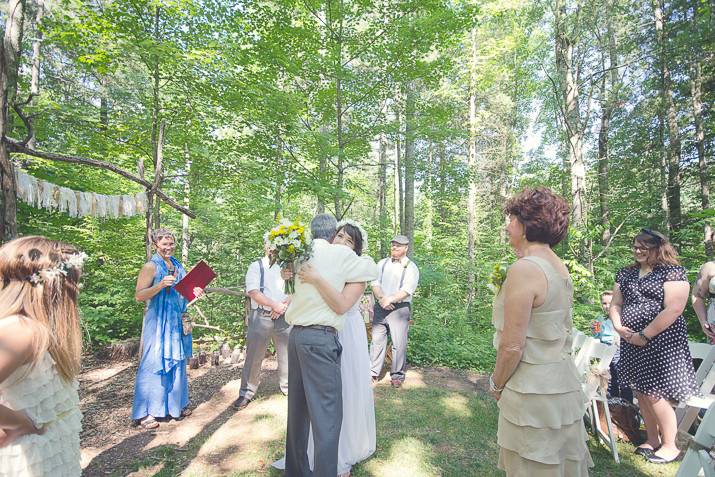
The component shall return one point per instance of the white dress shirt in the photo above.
(390, 273)
(338, 265)
(272, 281)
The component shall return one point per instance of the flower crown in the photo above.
(363, 233)
(75, 261)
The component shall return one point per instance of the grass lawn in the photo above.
(429, 428)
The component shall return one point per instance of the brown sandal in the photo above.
(186, 412)
(149, 423)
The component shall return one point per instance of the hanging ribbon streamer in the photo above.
(45, 195)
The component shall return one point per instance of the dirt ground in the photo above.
(111, 445)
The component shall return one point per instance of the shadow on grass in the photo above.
(429, 428)
(131, 455)
(435, 431)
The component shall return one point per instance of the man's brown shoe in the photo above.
(241, 403)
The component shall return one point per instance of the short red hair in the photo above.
(545, 215)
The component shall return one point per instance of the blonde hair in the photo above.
(38, 285)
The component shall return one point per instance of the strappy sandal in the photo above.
(186, 412)
(149, 423)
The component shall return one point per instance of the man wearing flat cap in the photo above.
(394, 288)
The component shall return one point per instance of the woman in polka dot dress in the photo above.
(648, 301)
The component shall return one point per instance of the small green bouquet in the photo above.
(289, 247)
(497, 277)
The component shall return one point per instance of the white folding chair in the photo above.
(698, 459)
(687, 411)
(594, 358)
(579, 338)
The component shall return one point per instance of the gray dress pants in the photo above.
(314, 399)
(398, 324)
(261, 328)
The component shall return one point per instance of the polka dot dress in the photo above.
(663, 367)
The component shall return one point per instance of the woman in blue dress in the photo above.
(162, 387)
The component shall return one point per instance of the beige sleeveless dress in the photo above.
(541, 430)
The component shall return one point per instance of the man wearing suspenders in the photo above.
(264, 286)
(393, 290)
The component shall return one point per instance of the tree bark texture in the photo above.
(410, 159)
(568, 79)
(696, 95)
(472, 171)
(382, 192)
(673, 151)
(185, 230)
(609, 97)
(9, 63)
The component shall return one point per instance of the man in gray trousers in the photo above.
(393, 290)
(314, 381)
(264, 285)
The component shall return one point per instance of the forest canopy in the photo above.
(418, 117)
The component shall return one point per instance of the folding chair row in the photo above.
(594, 358)
(698, 458)
(687, 411)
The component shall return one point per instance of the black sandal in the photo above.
(646, 452)
(656, 459)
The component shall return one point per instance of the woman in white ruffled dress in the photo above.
(357, 434)
(40, 348)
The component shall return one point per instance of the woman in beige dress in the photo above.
(541, 405)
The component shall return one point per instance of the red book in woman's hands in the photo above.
(199, 276)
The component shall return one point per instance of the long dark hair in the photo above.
(355, 235)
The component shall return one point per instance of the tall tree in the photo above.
(566, 38)
(673, 150)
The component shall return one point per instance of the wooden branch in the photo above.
(225, 291)
(18, 147)
(610, 240)
(25, 120)
(209, 327)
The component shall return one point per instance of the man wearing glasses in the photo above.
(393, 290)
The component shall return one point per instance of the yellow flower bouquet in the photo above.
(289, 247)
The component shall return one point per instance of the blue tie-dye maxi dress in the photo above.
(162, 387)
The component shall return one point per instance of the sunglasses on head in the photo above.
(656, 236)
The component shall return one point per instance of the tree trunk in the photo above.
(472, 172)
(572, 122)
(428, 199)
(104, 103)
(159, 173)
(409, 208)
(9, 63)
(674, 148)
(156, 133)
(185, 232)
(36, 45)
(35, 67)
(609, 98)
(280, 181)
(399, 224)
(382, 192)
(340, 179)
(696, 89)
(339, 182)
(442, 184)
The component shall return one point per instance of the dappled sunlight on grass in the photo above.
(457, 404)
(202, 415)
(246, 442)
(408, 456)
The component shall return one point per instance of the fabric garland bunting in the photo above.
(45, 195)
